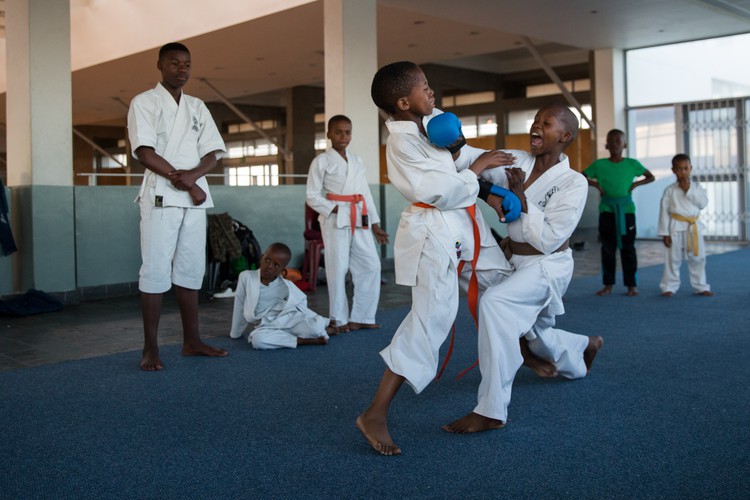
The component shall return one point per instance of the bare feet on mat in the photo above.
(706, 293)
(667, 294)
(541, 367)
(333, 329)
(315, 341)
(151, 362)
(632, 291)
(607, 290)
(595, 343)
(362, 326)
(473, 422)
(375, 431)
(200, 349)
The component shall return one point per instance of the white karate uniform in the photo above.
(531, 297)
(426, 248)
(278, 325)
(676, 201)
(173, 230)
(344, 251)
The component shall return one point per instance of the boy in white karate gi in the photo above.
(174, 136)
(435, 233)
(337, 189)
(681, 230)
(276, 306)
(553, 197)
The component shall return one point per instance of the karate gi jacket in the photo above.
(181, 134)
(330, 173)
(424, 173)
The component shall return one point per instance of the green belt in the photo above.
(618, 207)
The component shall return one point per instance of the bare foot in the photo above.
(632, 291)
(667, 294)
(315, 341)
(706, 293)
(336, 329)
(473, 422)
(595, 343)
(605, 291)
(376, 433)
(200, 349)
(362, 326)
(541, 367)
(151, 362)
(332, 330)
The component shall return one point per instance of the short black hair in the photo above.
(567, 117)
(616, 131)
(680, 157)
(338, 118)
(170, 47)
(391, 83)
(281, 248)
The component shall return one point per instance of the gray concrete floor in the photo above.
(97, 328)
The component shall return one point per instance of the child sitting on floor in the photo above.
(276, 306)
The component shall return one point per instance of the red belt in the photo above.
(472, 292)
(353, 199)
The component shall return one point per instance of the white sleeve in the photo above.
(314, 193)
(239, 323)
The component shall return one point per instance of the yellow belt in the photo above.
(693, 228)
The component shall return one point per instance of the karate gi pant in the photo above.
(270, 335)
(357, 254)
(507, 311)
(670, 278)
(414, 351)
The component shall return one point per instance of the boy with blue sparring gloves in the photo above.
(441, 240)
(552, 197)
(444, 131)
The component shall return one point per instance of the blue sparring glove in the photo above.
(444, 131)
(511, 203)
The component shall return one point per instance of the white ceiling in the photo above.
(253, 60)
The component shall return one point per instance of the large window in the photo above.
(693, 71)
(254, 175)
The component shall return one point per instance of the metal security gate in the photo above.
(717, 135)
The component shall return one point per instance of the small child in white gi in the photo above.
(337, 189)
(276, 306)
(435, 234)
(681, 230)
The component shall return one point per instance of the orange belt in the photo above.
(353, 199)
(472, 292)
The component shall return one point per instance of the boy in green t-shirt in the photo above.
(614, 178)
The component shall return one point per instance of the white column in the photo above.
(40, 143)
(39, 107)
(350, 63)
(609, 95)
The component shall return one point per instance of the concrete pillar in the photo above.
(301, 127)
(40, 138)
(608, 85)
(350, 63)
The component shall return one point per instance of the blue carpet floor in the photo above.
(664, 414)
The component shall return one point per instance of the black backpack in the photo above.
(250, 247)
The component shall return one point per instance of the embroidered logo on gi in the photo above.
(195, 124)
(458, 249)
(549, 194)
